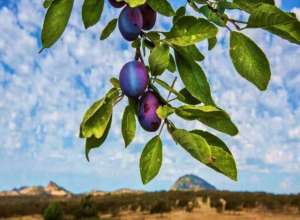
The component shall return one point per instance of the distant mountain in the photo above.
(187, 182)
(193, 183)
(127, 191)
(55, 190)
(52, 189)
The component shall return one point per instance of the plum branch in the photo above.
(174, 51)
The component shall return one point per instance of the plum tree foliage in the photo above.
(169, 52)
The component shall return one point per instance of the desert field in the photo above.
(182, 215)
(215, 205)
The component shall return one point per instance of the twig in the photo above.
(237, 21)
(119, 99)
(228, 28)
(138, 55)
(171, 100)
(235, 25)
(172, 86)
(231, 20)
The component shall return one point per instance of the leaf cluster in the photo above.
(176, 52)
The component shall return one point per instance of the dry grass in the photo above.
(240, 205)
(182, 215)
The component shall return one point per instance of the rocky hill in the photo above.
(52, 189)
(193, 183)
(184, 183)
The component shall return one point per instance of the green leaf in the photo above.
(275, 21)
(290, 32)
(115, 82)
(93, 142)
(194, 79)
(209, 115)
(228, 5)
(97, 124)
(135, 3)
(169, 88)
(97, 116)
(151, 159)
(134, 104)
(212, 43)
(264, 14)
(164, 111)
(223, 163)
(251, 5)
(249, 60)
(136, 43)
(172, 64)
(179, 13)
(154, 37)
(161, 6)
(159, 59)
(91, 12)
(189, 30)
(191, 52)
(213, 16)
(112, 94)
(147, 43)
(200, 1)
(56, 20)
(268, 15)
(187, 97)
(128, 125)
(213, 140)
(194, 144)
(222, 159)
(89, 113)
(47, 3)
(110, 27)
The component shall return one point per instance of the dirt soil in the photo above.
(182, 215)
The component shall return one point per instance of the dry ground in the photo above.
(182, 215)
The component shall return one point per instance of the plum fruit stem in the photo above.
(138, 55)
(172, 86)
(119, 99)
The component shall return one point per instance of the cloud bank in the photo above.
(43, 97)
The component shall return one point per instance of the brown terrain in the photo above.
(182, 215)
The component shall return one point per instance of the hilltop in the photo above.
(52, 189)
(192, 183)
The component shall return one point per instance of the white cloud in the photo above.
(44, 98)
(295, 133)
(286, 184)
(297, 12)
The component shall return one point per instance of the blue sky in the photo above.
(43, 97)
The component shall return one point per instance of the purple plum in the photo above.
(116, 4)
(134, 79)
(148, 118)
(149, 17)
(130, 23)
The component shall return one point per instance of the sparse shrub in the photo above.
(115, 211)
(76, 206)
(134, 207)
(221, 206)
(87, 209)
(190, 207)
(161, 207)
(182, 203)
(53, 212)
